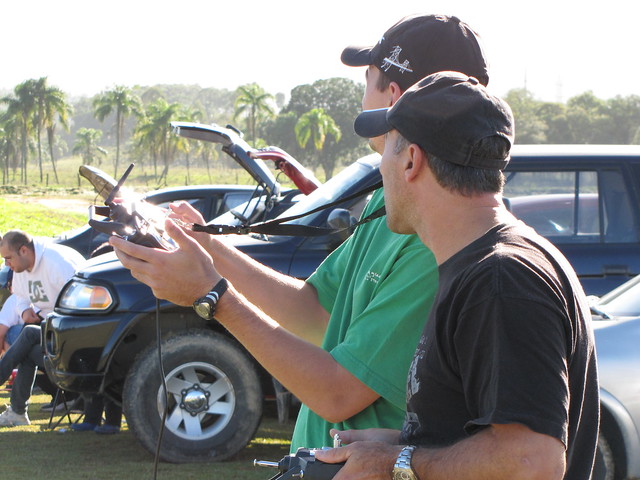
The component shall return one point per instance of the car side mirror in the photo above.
(340, 218)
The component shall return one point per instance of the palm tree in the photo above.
(87, 147)
(315, 125)
(8, 149)
(153, 132)
(50, 104)
(188, 114)
(121, 100)
(253, 103)
(9, 146)
(20, 107)
(207, 153)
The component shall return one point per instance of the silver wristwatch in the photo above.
(402, 469)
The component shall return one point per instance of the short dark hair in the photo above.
(466, 180)
(383, 81)
(16, 239)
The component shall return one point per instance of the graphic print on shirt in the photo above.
(412, 422)
(371, 276)
(36, 292)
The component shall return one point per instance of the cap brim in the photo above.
(372, 123)
(356, 56)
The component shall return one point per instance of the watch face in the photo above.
(403, 475)
(203, 308)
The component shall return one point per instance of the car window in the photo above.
(572, 206)
(232, 200)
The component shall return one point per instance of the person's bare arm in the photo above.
(509, 452)
(280, 296)
(3, 335)
(292, 302)
(305, 369)
(29, 316)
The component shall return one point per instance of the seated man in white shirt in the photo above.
(41, 268)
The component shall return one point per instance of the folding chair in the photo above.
(60, 397)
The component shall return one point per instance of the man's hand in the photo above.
(364, 460)
(371, 453)
(186, 212)
(30, 316)
(181, 276)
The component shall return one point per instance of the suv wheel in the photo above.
(214, 398)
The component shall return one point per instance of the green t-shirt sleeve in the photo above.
(381, 340)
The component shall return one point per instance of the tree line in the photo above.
(39, 124)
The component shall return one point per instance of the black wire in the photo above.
(164, 391)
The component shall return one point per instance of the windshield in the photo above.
(337, 187)
(242, 213)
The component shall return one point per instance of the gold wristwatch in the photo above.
(402, 469)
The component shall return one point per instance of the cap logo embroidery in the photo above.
(393, 61)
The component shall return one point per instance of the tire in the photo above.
(604, 467)
(200, 366)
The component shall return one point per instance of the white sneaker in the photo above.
(9, 418)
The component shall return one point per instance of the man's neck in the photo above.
(456, 224)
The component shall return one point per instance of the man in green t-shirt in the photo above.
(346, 336)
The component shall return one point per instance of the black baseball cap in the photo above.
(420, 45)
(446, 114)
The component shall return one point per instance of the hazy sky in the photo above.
(557, 48)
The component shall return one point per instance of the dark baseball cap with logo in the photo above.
(447, 114)
(420, 45)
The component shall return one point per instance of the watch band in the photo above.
(402, 469)
(218, 289)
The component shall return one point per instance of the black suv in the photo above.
(101, 336)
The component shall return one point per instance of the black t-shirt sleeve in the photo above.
(511, 353)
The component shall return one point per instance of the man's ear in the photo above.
(395, 92)
(415, 162)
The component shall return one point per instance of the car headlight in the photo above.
(83, 296)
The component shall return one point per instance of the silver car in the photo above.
(616, 325)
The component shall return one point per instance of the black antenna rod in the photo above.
(116, 189)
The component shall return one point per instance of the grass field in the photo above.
(142, 177)
(34, 452)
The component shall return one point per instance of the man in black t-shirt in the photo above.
(503, 384)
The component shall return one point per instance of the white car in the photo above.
(616, 322)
